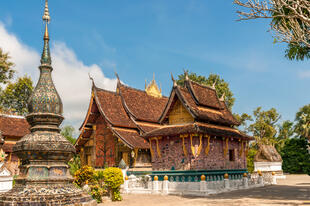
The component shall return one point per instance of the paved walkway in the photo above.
(294, 190)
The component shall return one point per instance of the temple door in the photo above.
(126, 158)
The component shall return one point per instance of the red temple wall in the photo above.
(105, 145)
(172, 155)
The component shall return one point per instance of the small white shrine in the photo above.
(6, 178)
(267, 159)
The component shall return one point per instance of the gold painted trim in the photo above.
(183, 144)
(210, 110)
(157, 147)
(208, 146)
(151, 149)
(241, 151)
(226, 147)
(136, 156)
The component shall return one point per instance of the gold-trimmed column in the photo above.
(157, 147)
(136, 156)
(226, 146)
(241, 150)
(151, 149)
(208, 146)
(183, 136)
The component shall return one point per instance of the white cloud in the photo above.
(70, 74)
(304, 74)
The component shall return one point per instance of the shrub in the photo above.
(84, 174)
(75, 164)
(113, 178)
(296, 158)
(250, 159)
(97, 191)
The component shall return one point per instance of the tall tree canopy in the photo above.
(290, 22)
(14, 97)
(6, 67)
(264, 127)
(67, 132)
(302, 127)
(221, 86)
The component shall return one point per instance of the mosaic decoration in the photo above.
(2, 155)
(44, 153)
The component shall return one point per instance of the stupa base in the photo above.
(46, 195)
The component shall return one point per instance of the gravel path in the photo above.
(294, 190)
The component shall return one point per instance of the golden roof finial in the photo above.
(213, 86)
(222, 97)
(46, 17)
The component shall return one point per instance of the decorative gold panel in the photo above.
(179, 114)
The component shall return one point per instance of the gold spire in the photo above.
(46, 16)
(46, 57)
(46, 35)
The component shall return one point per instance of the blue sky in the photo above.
(138, 38)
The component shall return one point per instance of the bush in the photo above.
(250, 159)
(296, 158)
(83, 175)
(113, 178)
(97, 191)
(75, 164)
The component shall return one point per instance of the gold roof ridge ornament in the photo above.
(152, 88)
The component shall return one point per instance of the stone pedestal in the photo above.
(261, 180)
(165, 187)
(126, 188)
(245, 182)
(226, 183)
(203, 186)
(155, 187)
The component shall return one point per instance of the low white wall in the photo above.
(268, 166)
(202, 188)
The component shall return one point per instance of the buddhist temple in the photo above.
(114, 124)
(197, 132)
(191, 130)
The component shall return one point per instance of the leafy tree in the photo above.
(302, 127)
(6, 67)
(296, 158)
(67, 132)
(221, 86)
(14, 97)
(290, 22)
(297, 52)
(243, 119)
(285, 132)
(264, 126)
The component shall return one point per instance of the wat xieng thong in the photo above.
(191, 132)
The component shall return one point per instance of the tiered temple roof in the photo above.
(133, 114)
(209, 113)
(128, 113)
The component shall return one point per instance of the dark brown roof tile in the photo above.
(112, 107)
(141, 105)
